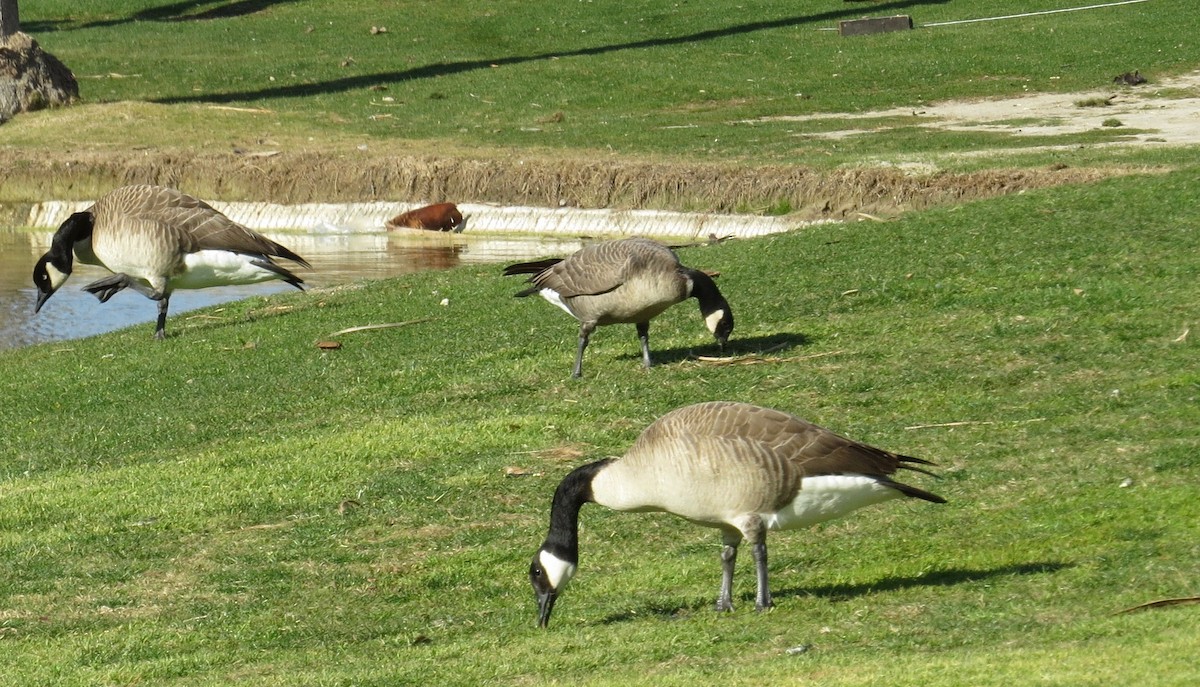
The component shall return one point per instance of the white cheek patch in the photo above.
(714, 318)
(56, 277)
(558, 571)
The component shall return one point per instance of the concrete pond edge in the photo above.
(333, 218)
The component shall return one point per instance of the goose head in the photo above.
(720, 322)
(48, 275)
(549, 574)
(53, 268)
(715, 310)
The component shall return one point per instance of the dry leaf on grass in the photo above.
(515, 471)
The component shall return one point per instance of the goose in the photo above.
(740, 468)
(620, 282)
(154, 240)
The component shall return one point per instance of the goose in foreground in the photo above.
(625, 281)
(155, 240)
(740, 468)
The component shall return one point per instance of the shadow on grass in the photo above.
(842, 592)
(189, 10)
(935, 578)
(769, 346)
(448, 68)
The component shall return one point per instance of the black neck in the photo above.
(76, 228)
(705, 290)
(574, 491)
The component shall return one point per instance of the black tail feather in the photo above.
(283, 252)
(535, 267)
(915, 492)
(283, 273)
(906, 463)
(919, 461)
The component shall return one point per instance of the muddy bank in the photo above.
(356, 176)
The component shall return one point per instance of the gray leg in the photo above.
(643, 331)
(160, 331)
(585, 331)
(730, 541)
(763, 599)
(108, 287)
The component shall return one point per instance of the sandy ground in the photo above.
(1151, 111)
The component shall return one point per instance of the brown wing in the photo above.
(190, 222)
(786, 447)
(603, 267)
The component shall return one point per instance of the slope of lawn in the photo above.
(237, 505)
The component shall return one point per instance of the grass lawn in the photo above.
(236, 505)
(593, 83)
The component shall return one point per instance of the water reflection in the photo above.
(336, 257)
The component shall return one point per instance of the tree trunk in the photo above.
(30, 78)
(10, 21)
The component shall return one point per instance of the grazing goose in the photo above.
(625, 281)
(737, 467)
(155, 240)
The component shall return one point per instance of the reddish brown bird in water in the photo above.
(437, 217)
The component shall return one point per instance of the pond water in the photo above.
(336, 258)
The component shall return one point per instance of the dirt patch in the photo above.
(301, 177)
(364, 175)
(1151, 117)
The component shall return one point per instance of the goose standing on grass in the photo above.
(155, 240)
(737, 467)
(625, 281)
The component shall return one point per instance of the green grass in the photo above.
(663, 79)
(171, 510)
(234, 505)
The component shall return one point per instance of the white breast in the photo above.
(219, 268)
(828, 497)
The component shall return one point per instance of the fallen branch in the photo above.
(389, 325)
(757, 358)
(1161, 603)
(963, 423)
(251, 110)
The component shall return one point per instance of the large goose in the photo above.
(740, 468)
(155, 240)
(624, 281)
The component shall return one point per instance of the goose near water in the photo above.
(740, 468)
(155, 240)
(628, 281)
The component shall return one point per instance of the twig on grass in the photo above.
(757, 358)
(964, 423)
(251, 110)
(1161, 603)
(371, 327)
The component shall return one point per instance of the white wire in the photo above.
(1015, 16)
(1034, 14)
